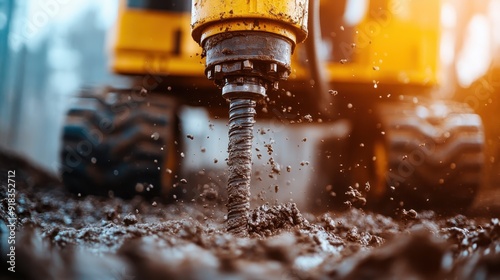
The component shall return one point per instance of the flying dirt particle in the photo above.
(276, 168)
(184, 181)
(362, 144)
(349, 106)
(139, 187)
(405, 157)
(288, 168)
(209, 193)
(270, 149)
(182, 155)
(308, 118)
(329, 188)
(93, 160)
(174, 196)
(453, 165)
(304, 140)
(441, 181)
(130, 219)
(154, 204)
(376, 68)
(303, 163)
(168, 170)
(410, 214)
(216, 160)
(375, 84)
(355, 197)
(155, 136)
(203, 150)
(276, 188)
(189, 136)
(367, 186)
(343, 61)
(288, 93)
(353, 45)
(333, 92)
(342, 28)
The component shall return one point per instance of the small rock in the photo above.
(130, 219)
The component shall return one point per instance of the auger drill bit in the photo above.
(248, 46)
(242, 100)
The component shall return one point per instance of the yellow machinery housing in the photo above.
(149, 40)
(394, 42)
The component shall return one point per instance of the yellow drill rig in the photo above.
(370, 65)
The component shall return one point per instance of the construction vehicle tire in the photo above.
(120, 142)
(409, 154)
(435, 154)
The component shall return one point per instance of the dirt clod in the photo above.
(267, 220)
(130, 219)
(356, 199)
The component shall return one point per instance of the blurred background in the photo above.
(50, 49)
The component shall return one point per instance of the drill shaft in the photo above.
(241, 122)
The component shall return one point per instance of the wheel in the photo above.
(121, 142)
(408, 154)
(435, 154)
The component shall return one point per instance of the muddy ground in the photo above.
(64, 236)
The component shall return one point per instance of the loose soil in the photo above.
(65, 236)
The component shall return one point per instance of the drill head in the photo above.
(241, 122)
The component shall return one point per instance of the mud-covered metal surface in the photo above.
(65, 236)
